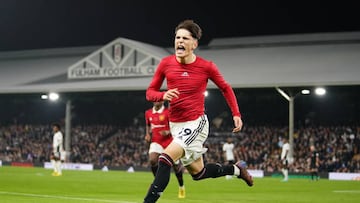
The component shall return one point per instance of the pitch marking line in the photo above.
(347, 191)
(62, 197)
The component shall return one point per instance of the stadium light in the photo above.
(291, 99)
(44, 96)
(320, 91)
(305, 91)
(52, 96)
(206, 93)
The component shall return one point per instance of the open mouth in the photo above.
(180, 49)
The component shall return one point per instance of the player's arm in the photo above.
(317, 160)
(153, 92)
(147, 130)
(224, 152)
(167, 131)
(228, 94)
(286, 153)
(56, 152)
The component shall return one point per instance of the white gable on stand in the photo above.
(50, 69)
(119, 58)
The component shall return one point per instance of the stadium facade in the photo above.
(125, 64)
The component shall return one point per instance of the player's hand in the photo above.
(237, 123)
(56, 155)
(164, 132)
(171, 94)
(147, 137)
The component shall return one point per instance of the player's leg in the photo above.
(230, 162)
(179, 170)
(58, 167)
(286, 174)
(52, 160)
(199, 171)
(285, 170)
(317, 173)
(153, 159)
(162, 176)
(59, 162)
(55, 160)
(155, 150)
(312, 174)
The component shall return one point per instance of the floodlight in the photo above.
(305, 91)
(320, 91)
(53, 96)
(44, 96)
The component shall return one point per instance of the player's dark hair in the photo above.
(56, 125)
(190, 26)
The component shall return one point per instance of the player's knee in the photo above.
(165, 159)
(178, 168)
(153, 162)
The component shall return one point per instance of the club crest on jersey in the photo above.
(162, 117)
(185, 74)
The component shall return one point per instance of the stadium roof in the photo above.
(269, 61)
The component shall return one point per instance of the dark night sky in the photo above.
(37, 24)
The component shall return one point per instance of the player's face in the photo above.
(184, 44)
(158, 104)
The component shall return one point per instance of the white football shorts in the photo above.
(191, 136)
(157, 148)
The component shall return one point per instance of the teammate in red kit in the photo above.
(187, 76)
(159, 136)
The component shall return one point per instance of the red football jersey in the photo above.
(159, 121)
(191, 81)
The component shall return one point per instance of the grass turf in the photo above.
(36, 185)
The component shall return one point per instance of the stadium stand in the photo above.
(257, 145)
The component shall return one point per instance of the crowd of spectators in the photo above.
(260, 147)
(115, 146)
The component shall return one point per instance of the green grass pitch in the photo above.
(36, 185)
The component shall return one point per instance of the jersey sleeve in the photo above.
(147, 122)
(225, 88)
(153, 92)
